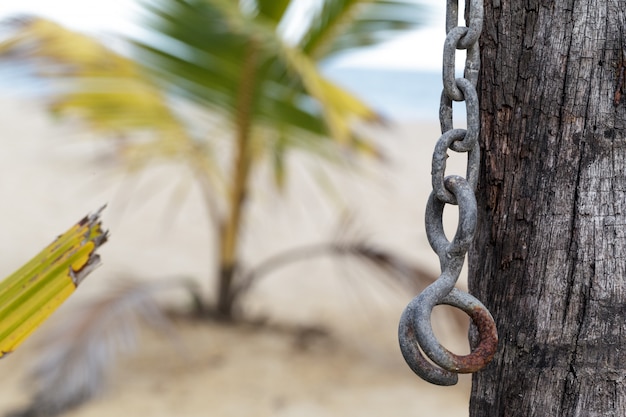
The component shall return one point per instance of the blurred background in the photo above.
(266, 167)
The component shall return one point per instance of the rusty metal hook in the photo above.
(415, 332)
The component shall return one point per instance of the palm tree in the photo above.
(252, 65)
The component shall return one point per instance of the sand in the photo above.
(51, 174)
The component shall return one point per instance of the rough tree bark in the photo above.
(550, 258)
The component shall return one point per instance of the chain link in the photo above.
(415, 330)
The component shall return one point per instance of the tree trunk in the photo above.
(550, 253)
(242, 165)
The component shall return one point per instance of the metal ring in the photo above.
(480, 355)
(472, 115)
(472, 62)
(415, 332)
(449, 54)
(414, 357)
(475, 20)
(440, 156)
(464, 195)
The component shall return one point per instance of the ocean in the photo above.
(399, 95)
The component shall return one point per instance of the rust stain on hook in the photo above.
(484, 352)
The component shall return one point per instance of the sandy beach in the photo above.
(52, 174)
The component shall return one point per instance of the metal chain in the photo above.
(415, 331)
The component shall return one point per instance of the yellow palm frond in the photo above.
(108, 91)
(32, 293)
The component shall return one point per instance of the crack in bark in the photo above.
(571, 280)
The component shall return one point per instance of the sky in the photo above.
(419, 50)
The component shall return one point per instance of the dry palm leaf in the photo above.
(390, 267)
(78, 351)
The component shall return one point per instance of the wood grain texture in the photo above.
(549, 259)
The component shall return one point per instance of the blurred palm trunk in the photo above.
(230, 228)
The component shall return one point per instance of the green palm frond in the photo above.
(273, 10)
(345, 24)
(290, 95)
